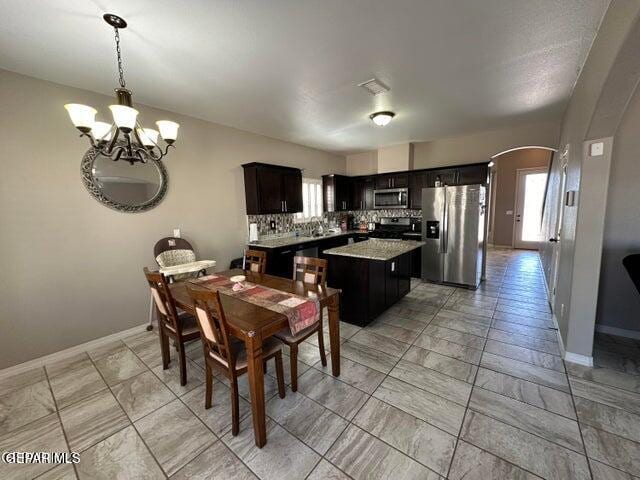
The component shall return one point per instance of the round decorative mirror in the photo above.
(122, 186)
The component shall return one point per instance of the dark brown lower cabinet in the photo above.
(368, 287)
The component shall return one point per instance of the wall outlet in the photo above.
(176, 232)
(562, 309)
(272, 224)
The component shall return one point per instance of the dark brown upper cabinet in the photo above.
(392, 180)
(292, 190)
(446, 176)
(363, 193)
(417, 181)
(473, 174)
(465, 175)
(272, 189)
(337, 193)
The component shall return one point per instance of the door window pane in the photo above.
(532, 212)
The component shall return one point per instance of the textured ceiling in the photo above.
(289, 68)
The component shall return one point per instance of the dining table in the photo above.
(254, 324)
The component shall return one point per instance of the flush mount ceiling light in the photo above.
(124, 139)
(382, 118)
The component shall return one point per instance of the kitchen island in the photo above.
(373, 275)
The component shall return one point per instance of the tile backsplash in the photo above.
(287, 226)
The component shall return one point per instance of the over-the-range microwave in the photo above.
(391, 198)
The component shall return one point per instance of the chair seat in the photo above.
(189, 324)
(269, 347)
(286, 336)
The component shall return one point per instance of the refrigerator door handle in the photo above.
(445, 221)
(443, 226)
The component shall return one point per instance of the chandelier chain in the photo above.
(123, 84)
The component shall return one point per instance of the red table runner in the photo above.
(301, 312)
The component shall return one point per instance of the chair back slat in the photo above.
(212, 323)
(256, 261)
(310, 270)
(163, 299)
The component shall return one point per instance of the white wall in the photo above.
(478, 147)
(579, 261)
(72, 268)
(365, 163)
(397, 158)
(618, 299)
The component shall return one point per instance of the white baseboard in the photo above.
(560, 341)
(619, 332)
(69, 352)
(585, 360)
(579, 359)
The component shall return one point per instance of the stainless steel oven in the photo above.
(391, 198)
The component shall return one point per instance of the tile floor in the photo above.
(449, 383)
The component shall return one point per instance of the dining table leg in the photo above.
(334, 334)
(255, 372)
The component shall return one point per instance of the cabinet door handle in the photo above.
(285, 206)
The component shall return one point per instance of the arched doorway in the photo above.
(518, 184)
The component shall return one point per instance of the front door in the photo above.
(531, 184)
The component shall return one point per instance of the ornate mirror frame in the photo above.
(89, 182)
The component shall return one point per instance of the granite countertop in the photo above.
(376, 249)
(287, 241)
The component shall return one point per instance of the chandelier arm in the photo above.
(129, 145)
(156, 153)
(141, 152)
(135, 133)
(166, 150)
(155, 144)
(137, 157)
(91, 140)
(112, 143)
(119, 151)
(114, 154)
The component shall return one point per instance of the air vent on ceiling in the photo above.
(374, 86)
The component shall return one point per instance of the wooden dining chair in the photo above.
(256, 261)
(314, 271)
(226, 353)
(181, 327)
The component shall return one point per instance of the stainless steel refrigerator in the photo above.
(453, 228)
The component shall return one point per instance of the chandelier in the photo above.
(124, 139)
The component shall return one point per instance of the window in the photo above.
(311, 200)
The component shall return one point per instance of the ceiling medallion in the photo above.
(124, 139)
(382, 118)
